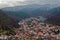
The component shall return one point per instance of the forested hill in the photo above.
(55, 16)
(6, 21)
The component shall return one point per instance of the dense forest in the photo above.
(7, 24)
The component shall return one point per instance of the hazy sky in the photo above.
(5, 3)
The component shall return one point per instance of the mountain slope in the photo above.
(6, 23)
(34, 10)
(18, 15)
(21, 12)
(55, 16)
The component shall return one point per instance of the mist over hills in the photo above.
(27, 10)
(31, 7)
(48, 11)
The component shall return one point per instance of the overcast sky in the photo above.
(6, 3)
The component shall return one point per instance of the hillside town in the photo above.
(34, 29)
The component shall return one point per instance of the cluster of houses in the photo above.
(34, 29)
